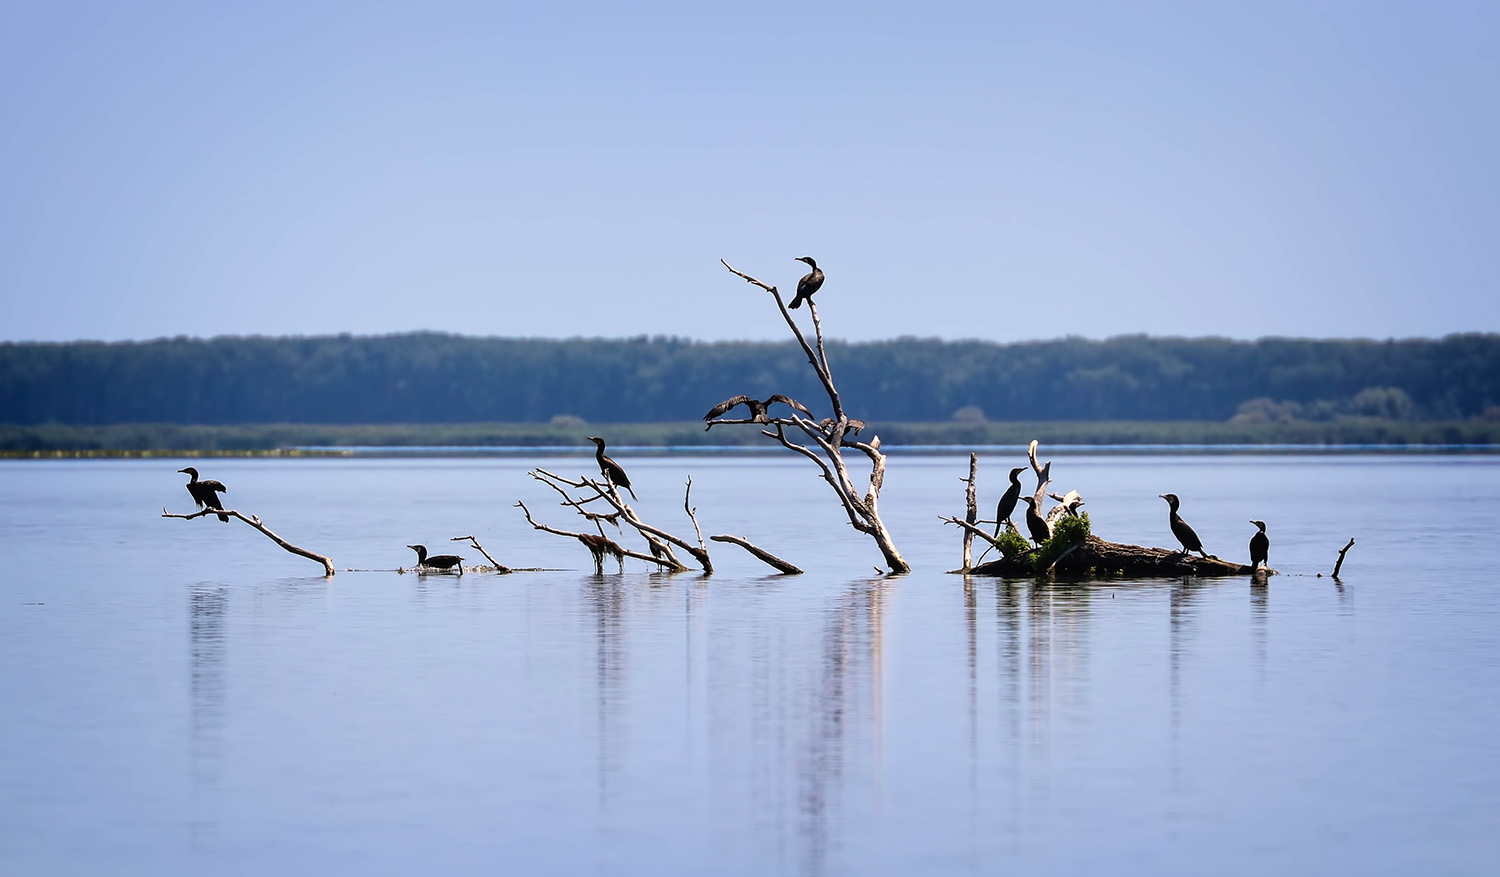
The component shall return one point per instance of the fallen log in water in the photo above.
(1095, 556)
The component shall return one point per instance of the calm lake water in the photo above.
(182, 697)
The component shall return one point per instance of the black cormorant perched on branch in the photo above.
(1035, 523)
(437, 561)
(613, 472)
(205, 493)
(809, 284)
(1180, 529)
(757, 408)
(1260, 546)
(1007, 505)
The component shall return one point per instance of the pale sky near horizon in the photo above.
(1003, 171)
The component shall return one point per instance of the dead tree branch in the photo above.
(1043, 475)
(972, 511)
(692, 513)
(499, 567)
(760, 553)
(659, 541)
(254, 521)
(1340, 564)
(863, 511)
(971, 529)
(597, 544)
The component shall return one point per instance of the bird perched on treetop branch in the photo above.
(809, 284)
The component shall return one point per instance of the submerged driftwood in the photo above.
(1095, 556)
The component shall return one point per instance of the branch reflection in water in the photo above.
(207, 608)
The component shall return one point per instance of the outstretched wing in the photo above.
(722, 408)
(787, 400)
(211, 491)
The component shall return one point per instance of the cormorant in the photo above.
(757, 408)
(611, 470)
(205, 493)
(1007, 505)
(828, 423)
(809, 284)
(1260, 546)
(437, 561)
(1180, 529)
(1035, 523)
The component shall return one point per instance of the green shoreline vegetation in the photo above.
(297, 439)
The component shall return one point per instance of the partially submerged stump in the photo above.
(1097, 557)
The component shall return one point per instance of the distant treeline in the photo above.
(435, 378)
(163, 438)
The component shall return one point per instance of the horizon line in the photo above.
(684, 339)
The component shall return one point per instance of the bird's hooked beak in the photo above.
(184, 471)
(1162, 495)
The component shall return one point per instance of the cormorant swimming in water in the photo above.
(611, 470)
(1180, 529)
(1007, 504)
(1260, 546)
(757, 408)
(205, 493)
(1035, 523)
(809, 284)
(437, 561)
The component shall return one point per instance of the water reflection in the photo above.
(1259, 597)
(207, 608)
(606, 604)
(845, 710)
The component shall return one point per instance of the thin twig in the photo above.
(692, 513)
(499, 567)
(971, 529)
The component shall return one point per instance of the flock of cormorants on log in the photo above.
(206, 493)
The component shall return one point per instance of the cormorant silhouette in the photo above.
(1035, 523)
(1260, 546)
(757, 408)
(205, 493)
(1007, 505)
(809, 284)
(437, 561)
(1180, 529)
(612, 471)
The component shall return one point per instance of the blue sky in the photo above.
(992, 170)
